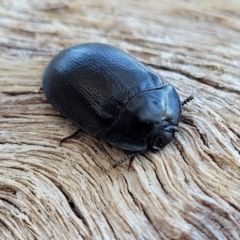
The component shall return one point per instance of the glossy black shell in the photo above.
(112, 96)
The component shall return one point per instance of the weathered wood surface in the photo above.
(189, 190)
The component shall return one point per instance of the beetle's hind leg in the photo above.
(187, 100)
(70, 136)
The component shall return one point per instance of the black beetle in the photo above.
(112, 96)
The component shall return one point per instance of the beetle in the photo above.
(112, 96)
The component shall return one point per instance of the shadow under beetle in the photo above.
(112, 96)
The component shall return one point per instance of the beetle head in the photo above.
(161, 134)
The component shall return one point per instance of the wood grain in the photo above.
(189, 190)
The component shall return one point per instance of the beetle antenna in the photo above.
(190, 98)
(131, 156)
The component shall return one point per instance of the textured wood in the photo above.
(189, 190)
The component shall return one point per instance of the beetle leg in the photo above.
(130, 161)
(40, 90)
(188, 99)
(70, 136)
